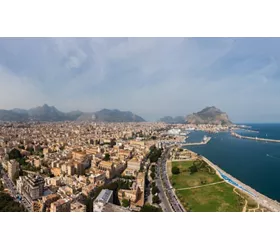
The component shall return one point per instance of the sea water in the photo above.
(254, 163)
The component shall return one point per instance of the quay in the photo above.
(203, 142)
(253, 138)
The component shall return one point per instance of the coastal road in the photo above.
(166, 187)
(159, 183)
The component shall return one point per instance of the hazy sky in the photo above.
(151, 77)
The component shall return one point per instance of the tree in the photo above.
(123, 184)
(156, 199)
(193, 169)
(154, 154)
(155, 190)
(15, 154)
(31, 150)
(175, 170)
(7, 204)
(1, 186)
(153, 168)
(150, 208)
(107, 157)
(125, 203)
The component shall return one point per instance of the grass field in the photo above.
(183, 180)
(214, 198)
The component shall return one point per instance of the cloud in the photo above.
(152, 77)
(18, 92)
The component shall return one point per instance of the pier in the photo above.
(253, 138)
(197, 143)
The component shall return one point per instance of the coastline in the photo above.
(263, 200)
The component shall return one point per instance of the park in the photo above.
(200, 189)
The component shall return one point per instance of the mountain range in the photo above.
(50, 113)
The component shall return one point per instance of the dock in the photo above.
(197, 143)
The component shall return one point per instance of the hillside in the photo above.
(116, 115)
(209, 115)
(50, 113)
(173, 120)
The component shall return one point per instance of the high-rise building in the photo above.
(31, 186)
(13, 167)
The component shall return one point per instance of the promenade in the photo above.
(253, 138)
(258, 197)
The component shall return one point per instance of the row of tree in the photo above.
(154, 154)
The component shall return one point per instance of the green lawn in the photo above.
(216, 198)
(183, 180)
(213, 198)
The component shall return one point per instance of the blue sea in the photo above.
(254, 163)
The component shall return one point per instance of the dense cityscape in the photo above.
(86, 166)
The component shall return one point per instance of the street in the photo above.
(167, 195)
(13, 192)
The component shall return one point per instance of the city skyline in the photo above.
(151, 77)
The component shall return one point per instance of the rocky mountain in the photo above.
(46, 113)
(50, 113)
(173, 120)
(209, 115)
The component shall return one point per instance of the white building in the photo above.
(174, 131)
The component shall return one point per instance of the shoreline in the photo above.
(263, 200)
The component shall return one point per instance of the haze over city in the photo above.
(152, 77)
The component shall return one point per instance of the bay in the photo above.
(254, 163)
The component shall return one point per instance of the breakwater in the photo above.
(253, 138)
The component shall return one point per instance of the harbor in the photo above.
(204, 141)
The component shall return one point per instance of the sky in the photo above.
(152, 77)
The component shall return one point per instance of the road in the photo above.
(169, 198)
(164, 200)
(13, 192)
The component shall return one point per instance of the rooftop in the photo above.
(108, 207)
(104, 196)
